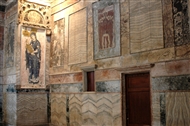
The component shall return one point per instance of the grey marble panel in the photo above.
(67, 88)
(181, 25)
(32, 90)
(108, 86)
(171, 83)
(162, 109)
(9, 108)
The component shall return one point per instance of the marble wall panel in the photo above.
(155, 109)
(168, 23)
(86, 109)
(31, 109)
(9, 108)
(108, 63)
(178, 109)
(90, 33)
(171, 68)
(58, 5)
(108, 74)
(173, 83)
(145, 25)
(58, 109)
(11, 79)
(125, 48)
(75, 109)
(116, 109)
(181, 22)
(1, 103)
(65, 78)
(108, 86)
(1, 32)
(78, 37)
(183, 52)
(104, 109)
(148, 57)
(1, 79)
(9, 44)
(1, 63)
(89, 109)
(162, 109)
(67, 88)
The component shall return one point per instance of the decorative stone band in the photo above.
(171, 83)
(66, 88)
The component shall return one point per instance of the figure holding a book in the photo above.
(33, 57)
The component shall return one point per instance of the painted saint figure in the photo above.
(33, 57)
(57, 52)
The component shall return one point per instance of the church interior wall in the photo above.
(153, 38)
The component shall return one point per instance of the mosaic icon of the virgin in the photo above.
(33, 57)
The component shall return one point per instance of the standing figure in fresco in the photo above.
(10, 46)
(33, 57)
(57, 52)
(106, 43)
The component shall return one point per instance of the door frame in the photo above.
(133, 70)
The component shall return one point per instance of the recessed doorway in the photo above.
(136, 95)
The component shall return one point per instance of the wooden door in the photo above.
(138, 99)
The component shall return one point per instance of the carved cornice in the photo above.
(34, 15)
(135, 68)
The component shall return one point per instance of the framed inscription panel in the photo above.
(106, 29)
(78, 37)
(33, 46)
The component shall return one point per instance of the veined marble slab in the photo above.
(67, 88)
(58, 110)
(146, 28)
(108, 86)
(86, 109)
(31, 108)
(168, 23)
(171, 83)
(178, 109)
(181, 22)
(108, 74)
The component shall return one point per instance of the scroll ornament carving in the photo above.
(31, 14)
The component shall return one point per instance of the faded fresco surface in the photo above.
(57, 44)
(32, 57)
(105, 27)
(9, 45)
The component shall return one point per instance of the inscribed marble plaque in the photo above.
(33, 45)
(57, 44)
(106, 29)
(9, 45)
(78, 37)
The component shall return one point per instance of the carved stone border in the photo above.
(34, 15)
